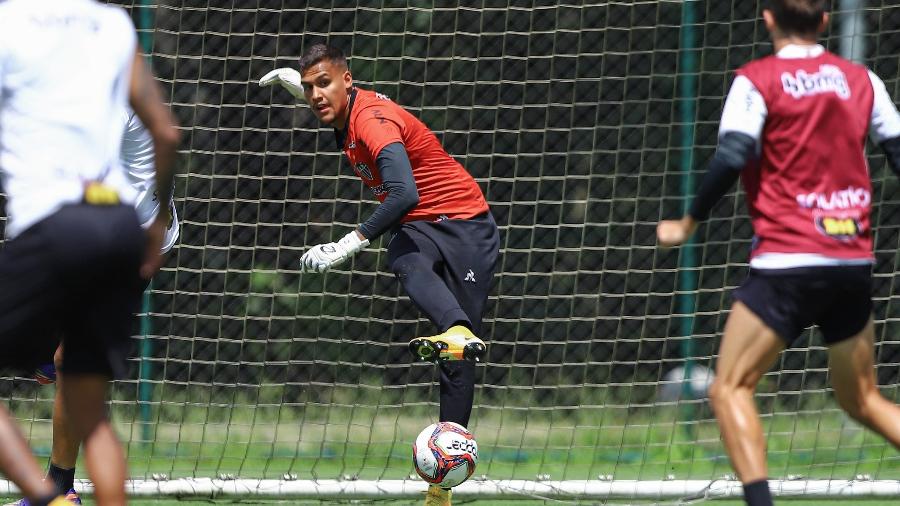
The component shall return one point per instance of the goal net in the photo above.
(585, 123)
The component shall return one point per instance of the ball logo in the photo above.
(465, 445)
(829, 79)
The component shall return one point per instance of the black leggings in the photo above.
(447, 268)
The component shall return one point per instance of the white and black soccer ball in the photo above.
(445, 454)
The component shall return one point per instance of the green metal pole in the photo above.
(687, 109)
(145, 384)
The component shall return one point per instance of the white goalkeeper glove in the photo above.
(288, 78)
(322, 257)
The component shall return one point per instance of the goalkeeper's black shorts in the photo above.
(73, 274)
(447, 267)
(836, 298)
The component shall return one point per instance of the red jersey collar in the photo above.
(340, 136)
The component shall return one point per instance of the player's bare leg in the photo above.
(748, 350)
(64, 451)
(456, 343)
(84, 397)
(852, 367)
(18, 464)
(65, 444)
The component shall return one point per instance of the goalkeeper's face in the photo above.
(327, 89)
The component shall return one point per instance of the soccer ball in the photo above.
(445, 454)
(673, 386)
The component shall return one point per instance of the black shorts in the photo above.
(838, 299)
(49, 364)
(73, 274)
(464, 255)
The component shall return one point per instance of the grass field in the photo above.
(345, 439)
(860, 502)
(523, 502)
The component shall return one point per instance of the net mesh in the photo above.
(576, 118)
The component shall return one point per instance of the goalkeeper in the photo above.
(137, 157)
(444, 243)
(793, 128)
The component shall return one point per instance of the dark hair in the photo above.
(320, 52)
(801, 17)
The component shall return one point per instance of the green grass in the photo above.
(337, 441)
(789, 502)
(517, 502)
(649, 446)
(338, 436)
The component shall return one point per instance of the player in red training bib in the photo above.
(794, 127)
(444, 243)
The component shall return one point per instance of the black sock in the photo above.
(457, 391)
(64, 479)
(757, 493)
(43, 501)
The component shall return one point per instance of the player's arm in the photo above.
(379, 129)
(740, 132)
(397, 177)
(885, 123)
(146, 100)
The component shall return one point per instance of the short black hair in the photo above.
(800, 17)
(320, 52)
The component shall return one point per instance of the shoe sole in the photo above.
(428, 350)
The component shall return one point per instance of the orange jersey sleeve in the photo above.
(378, 125)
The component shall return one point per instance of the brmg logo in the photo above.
(829, 79)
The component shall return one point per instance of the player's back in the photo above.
(64, 75)
(138, 161)
(810, 192)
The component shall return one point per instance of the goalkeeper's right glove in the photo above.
(288, 78)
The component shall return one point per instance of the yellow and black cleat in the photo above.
(457, 343)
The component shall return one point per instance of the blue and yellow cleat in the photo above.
(457, 343)
(46, 375)
(72, 497)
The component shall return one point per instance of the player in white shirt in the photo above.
(137, 158)
(75, 253)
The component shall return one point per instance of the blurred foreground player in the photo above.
(75, 251)
(444, 242)
(136, 156)
(794, 126)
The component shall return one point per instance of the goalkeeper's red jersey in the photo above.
(810, 192)
(445, 189)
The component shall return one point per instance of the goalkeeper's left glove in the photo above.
(325, 256)
(288, 78)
